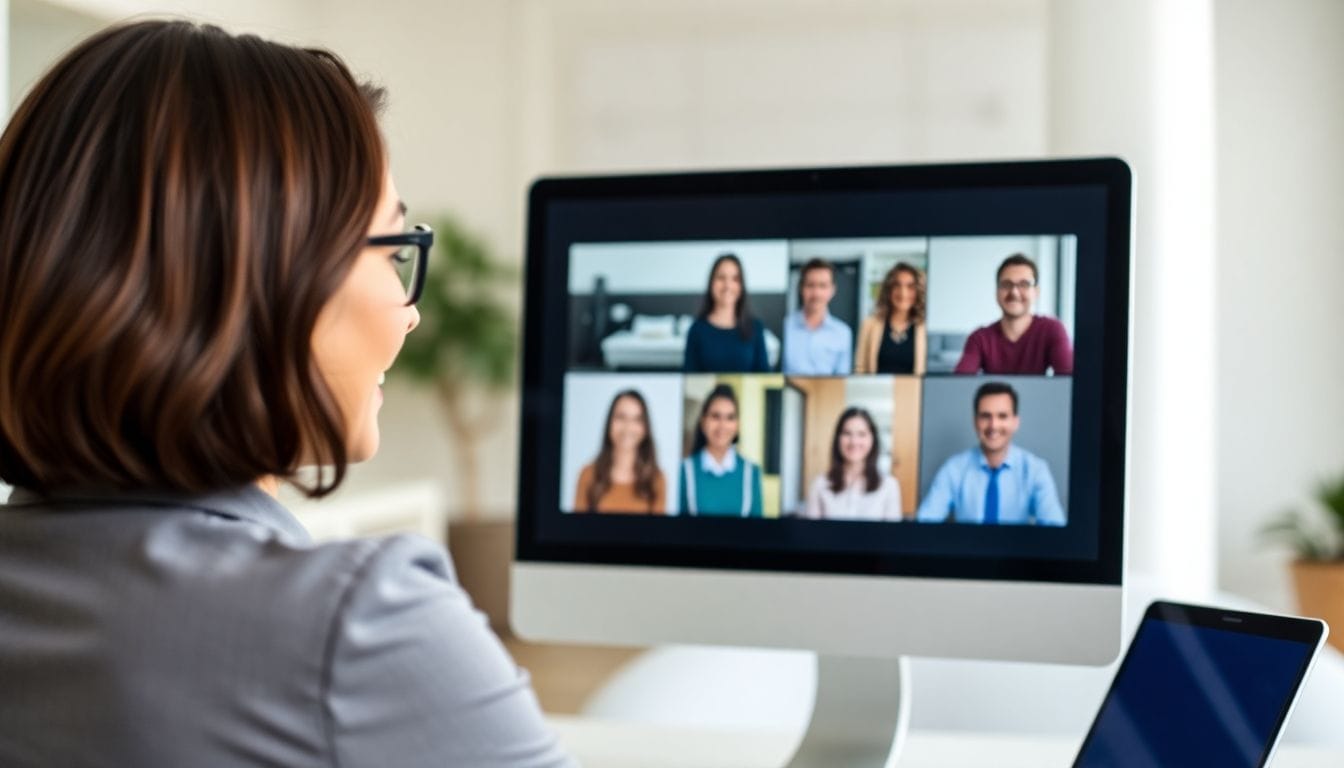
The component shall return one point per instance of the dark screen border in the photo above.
(1088, 198)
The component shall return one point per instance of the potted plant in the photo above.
(1318, 540)
(465, 351)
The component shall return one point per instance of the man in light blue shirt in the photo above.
(994, 483)
(816, 344)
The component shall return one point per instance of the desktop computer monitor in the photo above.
(870, 412)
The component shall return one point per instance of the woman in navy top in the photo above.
(725, 338)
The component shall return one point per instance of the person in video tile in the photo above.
(625, 476)
(854, 489)
(815, 342)
(715, 479)
(893, 339)
(1019, 342)
(995, 482)
(725, 338)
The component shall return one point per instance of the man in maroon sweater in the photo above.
(1019, 342)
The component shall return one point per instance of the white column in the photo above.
(1135, 79)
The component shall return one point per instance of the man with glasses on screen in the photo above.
(1019, 342)
(996, 482)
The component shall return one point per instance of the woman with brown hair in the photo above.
(853, 488)
(203, 277)
(715, 478)
(893, 338)
(625, 476)
(725, 337)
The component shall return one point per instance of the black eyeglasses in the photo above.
(411, 258)
(1022, 286)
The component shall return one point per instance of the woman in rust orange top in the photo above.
(625, 476)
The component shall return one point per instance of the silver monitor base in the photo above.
(861, 714)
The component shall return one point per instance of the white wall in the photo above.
(5, 45)
(38, 33)
(283, 19)
(681, 267)
(450, 68)
(1280, 272)
(645, 83)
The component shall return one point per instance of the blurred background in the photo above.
(1231, 113)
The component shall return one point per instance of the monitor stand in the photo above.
(861, 714)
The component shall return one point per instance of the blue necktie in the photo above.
(992, 497)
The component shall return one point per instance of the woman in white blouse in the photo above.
(853, 489)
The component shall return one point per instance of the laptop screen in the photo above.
(1189, 694)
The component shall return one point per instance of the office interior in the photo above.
(1227, 110)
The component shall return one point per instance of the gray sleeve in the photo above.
(415, 677)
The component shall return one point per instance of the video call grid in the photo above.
(812, 281)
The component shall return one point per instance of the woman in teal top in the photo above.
(715, 480)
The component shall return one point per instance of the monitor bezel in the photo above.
(1111, 173)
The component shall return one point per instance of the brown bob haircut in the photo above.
(177, 204)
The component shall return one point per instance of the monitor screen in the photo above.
(905, 371)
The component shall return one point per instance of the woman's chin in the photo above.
(364, 447)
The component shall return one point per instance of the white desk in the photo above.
(603, 744)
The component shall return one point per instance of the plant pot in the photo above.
(482, 553)
(1320, 593)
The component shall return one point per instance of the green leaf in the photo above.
(1330, 494)
(1308, 538)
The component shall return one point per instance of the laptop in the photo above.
(1202, 687)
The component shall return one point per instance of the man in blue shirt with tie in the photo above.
(994, 483)
(815, 343)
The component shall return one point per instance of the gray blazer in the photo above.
(159, 630)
